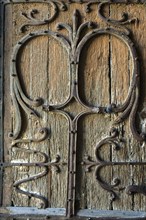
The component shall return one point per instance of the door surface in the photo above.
(72, 109)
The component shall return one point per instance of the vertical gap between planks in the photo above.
(131, 172)
(110, 96)
(49, 155)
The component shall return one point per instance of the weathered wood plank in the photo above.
(94, 91)
(38, 79)
(139, 35)
(120, 82)
(58, 93)
(8, 179)
(33, 75)
(131, 150)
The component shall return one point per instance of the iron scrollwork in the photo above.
(33, 21)
(74, 42)
(99, 163)
(117, 23)
(44, 164)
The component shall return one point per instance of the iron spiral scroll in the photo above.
(73, 42)
(45, 164)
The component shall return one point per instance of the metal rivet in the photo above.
(64, 8)
(93, 32)
(13, 75)
(10, 135)
(31, 34)
(73, 172)
(73, 132)
(57, 35)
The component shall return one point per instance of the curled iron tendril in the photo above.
(44, 135)
(44, 164)
(100, 163)
(44, 171)
(33, 21)
(20, 99)
(117, 23)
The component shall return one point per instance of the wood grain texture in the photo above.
(93, 74)
(131, 150)
(33, 71)
(121, 73)
(139, 148)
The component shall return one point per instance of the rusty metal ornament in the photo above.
(44, 164)
(33, 21)
(129, 107)
(99, 164)
(136, 189)
(117, 23)
(73, 43)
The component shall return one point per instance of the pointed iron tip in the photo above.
(76, 12)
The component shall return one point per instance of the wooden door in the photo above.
(72, 109)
